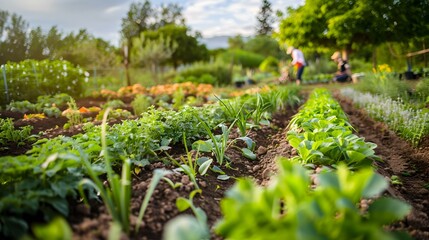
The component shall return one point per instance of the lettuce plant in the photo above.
(290, 209)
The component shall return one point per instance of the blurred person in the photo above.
(298, 61)
(343, 73)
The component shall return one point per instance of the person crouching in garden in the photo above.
(343, 73)
(298, 61)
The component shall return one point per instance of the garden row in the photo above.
(344, 200)
(37, 186)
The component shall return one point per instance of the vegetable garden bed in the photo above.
(410, 165)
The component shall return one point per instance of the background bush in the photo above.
(214, 73)
(29, 79)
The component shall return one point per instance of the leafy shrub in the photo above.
(270, 64)
(385, 84)
(29, 79)
(201, 71)
(243, 58)
(422, 89)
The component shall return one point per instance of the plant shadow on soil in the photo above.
(399, 158)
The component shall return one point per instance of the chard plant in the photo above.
(290, 209)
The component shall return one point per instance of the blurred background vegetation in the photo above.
(158, 47)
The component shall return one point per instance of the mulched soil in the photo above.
(410, 164)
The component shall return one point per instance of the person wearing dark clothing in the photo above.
(343, 74)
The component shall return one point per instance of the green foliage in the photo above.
(185, 227)
(57, 229)
(189, 50)
(385, 84)
(45, 104)
(205, 78)
(289, 208)
(200, 71)
(411, 124)
(141, 103)
(265, 46)
(321, 134)
(73, 115)
(422, 90)
(10, 135)
(29, 79)
(114, 104)
(271, 65)
(241, 57)
(36, 187)
(152, 52)
(320, 23)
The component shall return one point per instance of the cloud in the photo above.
(103, 17)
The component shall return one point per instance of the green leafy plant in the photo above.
(321, 133)
(29, 79)
(186, 227)
(238, 111)
(10, 135)
(190, 163)
(289, 208)
(140, 104)
(117, 195)
(219, 143)
(73, 115)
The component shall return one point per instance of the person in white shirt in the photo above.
(298, 61)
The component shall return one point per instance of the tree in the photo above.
(266, 46)
(14, 47)
(36, 44)
(354, 24)
(189, 50)
(152, 52)
(236, 42)
(265, 19)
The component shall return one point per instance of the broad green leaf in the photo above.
(249, 142)
(202, 160)
(57, 229)
(202, 146)
(248, 154)
(182, 204)
(205, 166)
(223, 177)
(329, 179)
(185, 227)
(355, 156)
(386, 210)
(217, 169)
(375, 186)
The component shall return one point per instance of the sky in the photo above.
(102, 18)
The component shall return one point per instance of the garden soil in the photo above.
(409, 164)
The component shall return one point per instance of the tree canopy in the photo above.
(352, 24)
